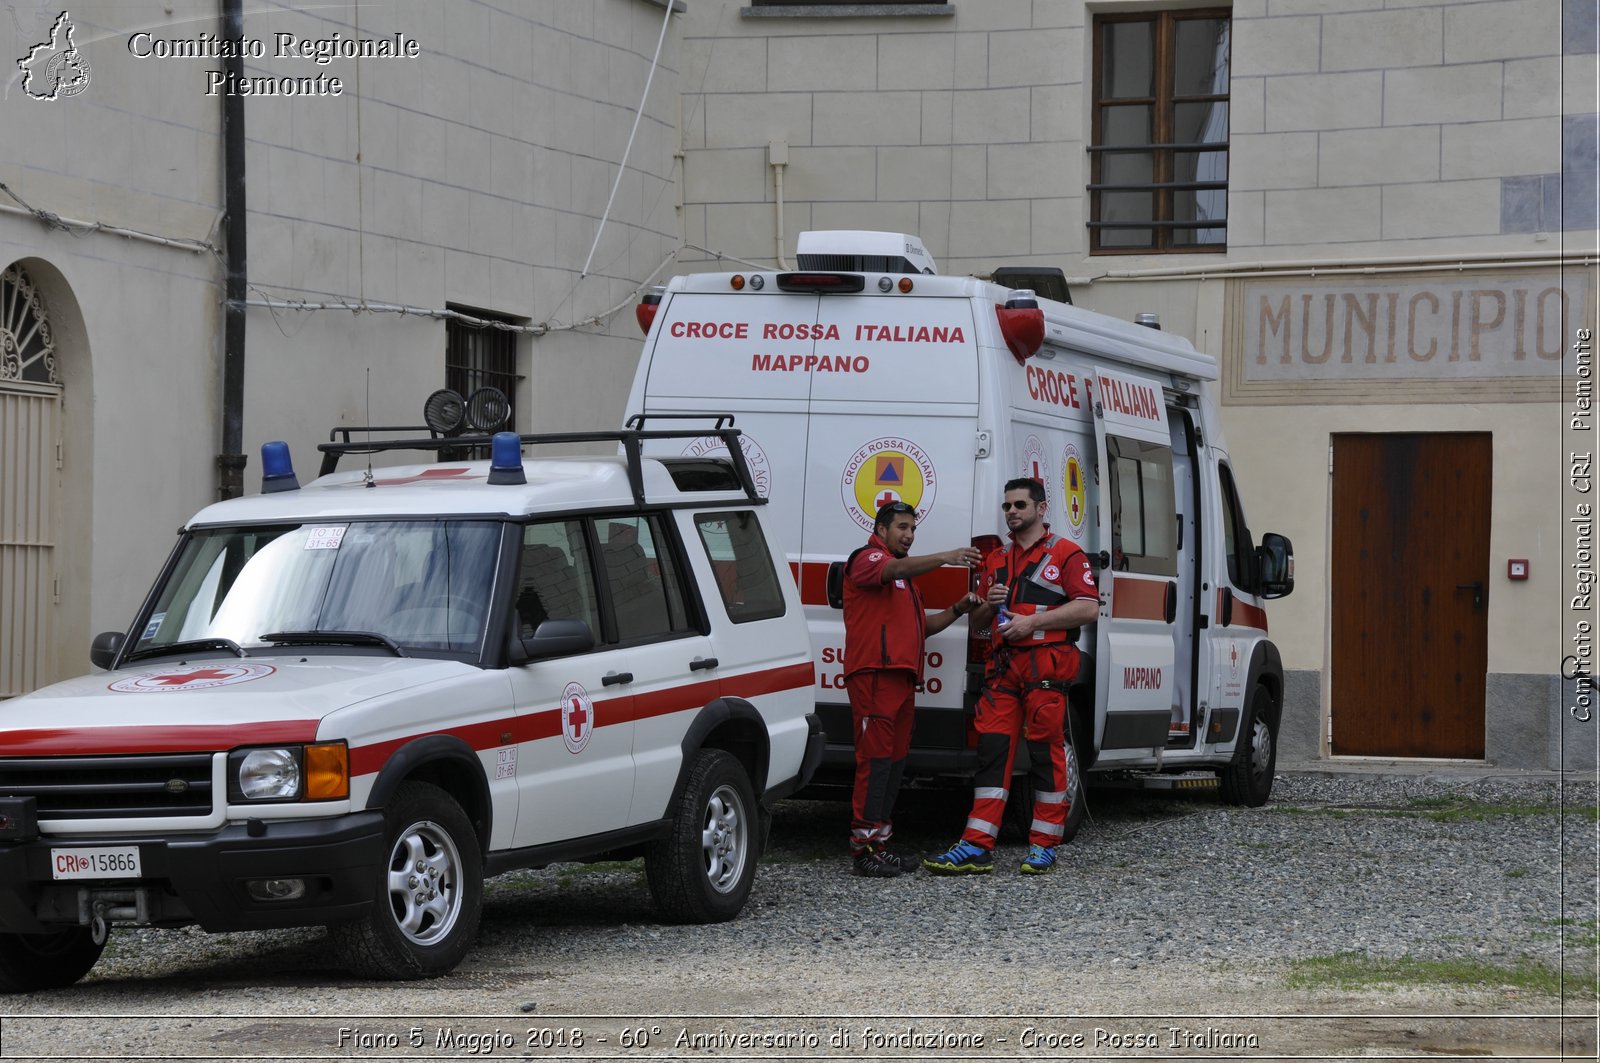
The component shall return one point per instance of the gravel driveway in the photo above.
(1175, 926)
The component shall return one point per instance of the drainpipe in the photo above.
(231, 461)
(778, 158)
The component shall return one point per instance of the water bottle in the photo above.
(1003, 617)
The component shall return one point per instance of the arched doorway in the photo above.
(30, 462)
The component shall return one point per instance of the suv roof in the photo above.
(465, 488)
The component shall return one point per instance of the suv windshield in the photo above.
(421, 585)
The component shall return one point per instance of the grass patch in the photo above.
(1351, 970)
(1579, 933)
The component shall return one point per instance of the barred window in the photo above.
(1159, 143)
(479, 356)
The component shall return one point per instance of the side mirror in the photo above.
(1275, 563)
(556, 638)
(104, 649)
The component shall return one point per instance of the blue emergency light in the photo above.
(277, 468)
(505, 459)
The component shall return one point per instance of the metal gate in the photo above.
(30, 460)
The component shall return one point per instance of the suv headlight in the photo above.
(289, 773)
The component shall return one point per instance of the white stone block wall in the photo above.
(474, 175)
(1409, 114)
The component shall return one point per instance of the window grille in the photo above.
(1159, 143)
(479, 356)
(27, 348)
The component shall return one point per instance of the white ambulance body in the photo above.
(863, 378)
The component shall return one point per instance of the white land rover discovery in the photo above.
(345, 704)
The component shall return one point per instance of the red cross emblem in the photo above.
(189, 677)
(577, 717)
(425, 477)
(1233, 654)
(1076, 507)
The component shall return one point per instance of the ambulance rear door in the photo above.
(1137, 514)
(741, 353)
(894, 417)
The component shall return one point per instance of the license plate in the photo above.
(122, 862)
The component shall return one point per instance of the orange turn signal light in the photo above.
(737, 281)
(327, 772)
(905, 285)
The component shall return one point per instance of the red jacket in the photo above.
(883, 622)
(1049, 573)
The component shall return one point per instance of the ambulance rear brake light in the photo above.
(645, 312)
(824, 283)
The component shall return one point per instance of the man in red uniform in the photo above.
(884, 628)
(1040, 591)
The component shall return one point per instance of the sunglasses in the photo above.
(1024, 504)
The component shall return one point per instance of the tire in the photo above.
(1247, 780)
(702, 871)
(1019, 806)
(429, 891)
(46, 961)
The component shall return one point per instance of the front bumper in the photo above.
(201, 878)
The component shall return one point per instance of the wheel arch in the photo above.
(448, 763)
(1266, 670)
(735, 726)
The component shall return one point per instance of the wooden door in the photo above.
(1410, 594)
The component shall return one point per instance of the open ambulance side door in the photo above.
(1137, 515)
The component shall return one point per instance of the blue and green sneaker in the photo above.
(1041, 860)
(962, 858)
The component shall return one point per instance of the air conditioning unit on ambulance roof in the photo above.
(862, 251)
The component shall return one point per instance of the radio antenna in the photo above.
(370, 481)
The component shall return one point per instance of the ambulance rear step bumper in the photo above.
(1154, 780)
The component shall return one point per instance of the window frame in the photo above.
(737, 612)
(1237, 545)
(468, 347)
(1164, 103)
(1145, 490)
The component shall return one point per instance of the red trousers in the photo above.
(881, 708)
(1024, 697)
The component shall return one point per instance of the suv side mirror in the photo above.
(1275, 563)
(556, 638)
(104, 649)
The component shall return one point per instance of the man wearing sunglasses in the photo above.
(1040, 590)
(884, 630)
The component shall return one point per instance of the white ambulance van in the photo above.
(864, 377)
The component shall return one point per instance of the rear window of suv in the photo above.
(743, 564)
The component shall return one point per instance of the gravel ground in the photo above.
(1165, 905)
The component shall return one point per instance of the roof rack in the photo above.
(630, 438)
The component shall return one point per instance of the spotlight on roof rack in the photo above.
(488, 410)
(444, 411)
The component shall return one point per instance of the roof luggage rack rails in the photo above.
(631, 440)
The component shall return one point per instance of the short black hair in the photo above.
(887, 511)
(1034, 488)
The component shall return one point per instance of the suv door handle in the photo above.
(611, 679)
(701, 663)
(1171, 609)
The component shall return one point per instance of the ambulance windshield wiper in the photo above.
(334, 638)
(187, 646)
